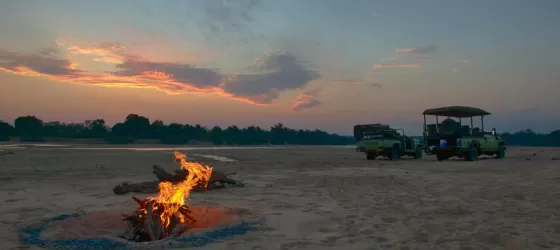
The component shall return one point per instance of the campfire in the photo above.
(167, 214)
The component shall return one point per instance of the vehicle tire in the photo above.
(418, 154)
(394, 155)
(472, 154)
(371, 156)
(501, 152)
(441, 157)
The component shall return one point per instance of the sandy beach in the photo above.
(311, 198)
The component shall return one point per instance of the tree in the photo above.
(156, 129)
(6, 130)
(29, 128)
(138, 126)
(174, 134)
(96, 128)
(216, 136)
(120, 134)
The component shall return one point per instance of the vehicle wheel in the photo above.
(441, 157)
(418, 154)
(371, 156)
(394, 154)
(472, 154)
(501, 152)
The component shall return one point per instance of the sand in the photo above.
(312, 198)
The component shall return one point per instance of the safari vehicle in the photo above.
(381, 140)
(451, 138)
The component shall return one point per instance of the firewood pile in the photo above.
(166, 213)
(217, 180)
(147, 223)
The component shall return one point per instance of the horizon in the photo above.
(210, 126)
(328, 66)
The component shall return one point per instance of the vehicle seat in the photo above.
(432, 129)
(408, 143)
(476, 131)
(465, 130)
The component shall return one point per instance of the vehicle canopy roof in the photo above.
(456, 111)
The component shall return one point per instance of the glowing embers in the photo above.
(151, 221)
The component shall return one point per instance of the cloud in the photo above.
(391, 58)
(388, 65)
(419, 49)
(459, 65)
(226, 15)
(275, 73)
(282, 72)
(35, 64)
(218, 20)
(306, 100)
(350, 81)
(48, 51)
(183, 73)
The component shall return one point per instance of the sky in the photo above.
(325, 64)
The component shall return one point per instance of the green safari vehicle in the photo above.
(451, 138)
(380, 140)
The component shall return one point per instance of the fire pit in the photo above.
(155, 221)
(166, 214)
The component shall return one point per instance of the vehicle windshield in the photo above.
(370, 137)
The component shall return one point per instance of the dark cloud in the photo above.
(282, 72)
(184, 73)
(15, 62)
(214, 18)
(48, 51)
(229, 15)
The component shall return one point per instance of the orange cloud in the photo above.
(281, 72)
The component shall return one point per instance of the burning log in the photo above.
(217, 180)
(146, 223)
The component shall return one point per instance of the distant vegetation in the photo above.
(530, 138)
(136, 127)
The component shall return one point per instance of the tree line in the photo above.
(529, 137)
(136, 127)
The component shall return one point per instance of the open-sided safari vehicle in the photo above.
(381, 140)
(451, 138)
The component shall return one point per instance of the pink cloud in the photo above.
(419, 49)
(306, 100)
(388, 65)
(279, 72)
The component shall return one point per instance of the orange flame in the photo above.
(172, 196)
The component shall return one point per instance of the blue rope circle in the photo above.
(31, 235)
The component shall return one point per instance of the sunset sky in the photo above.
(326, 64)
